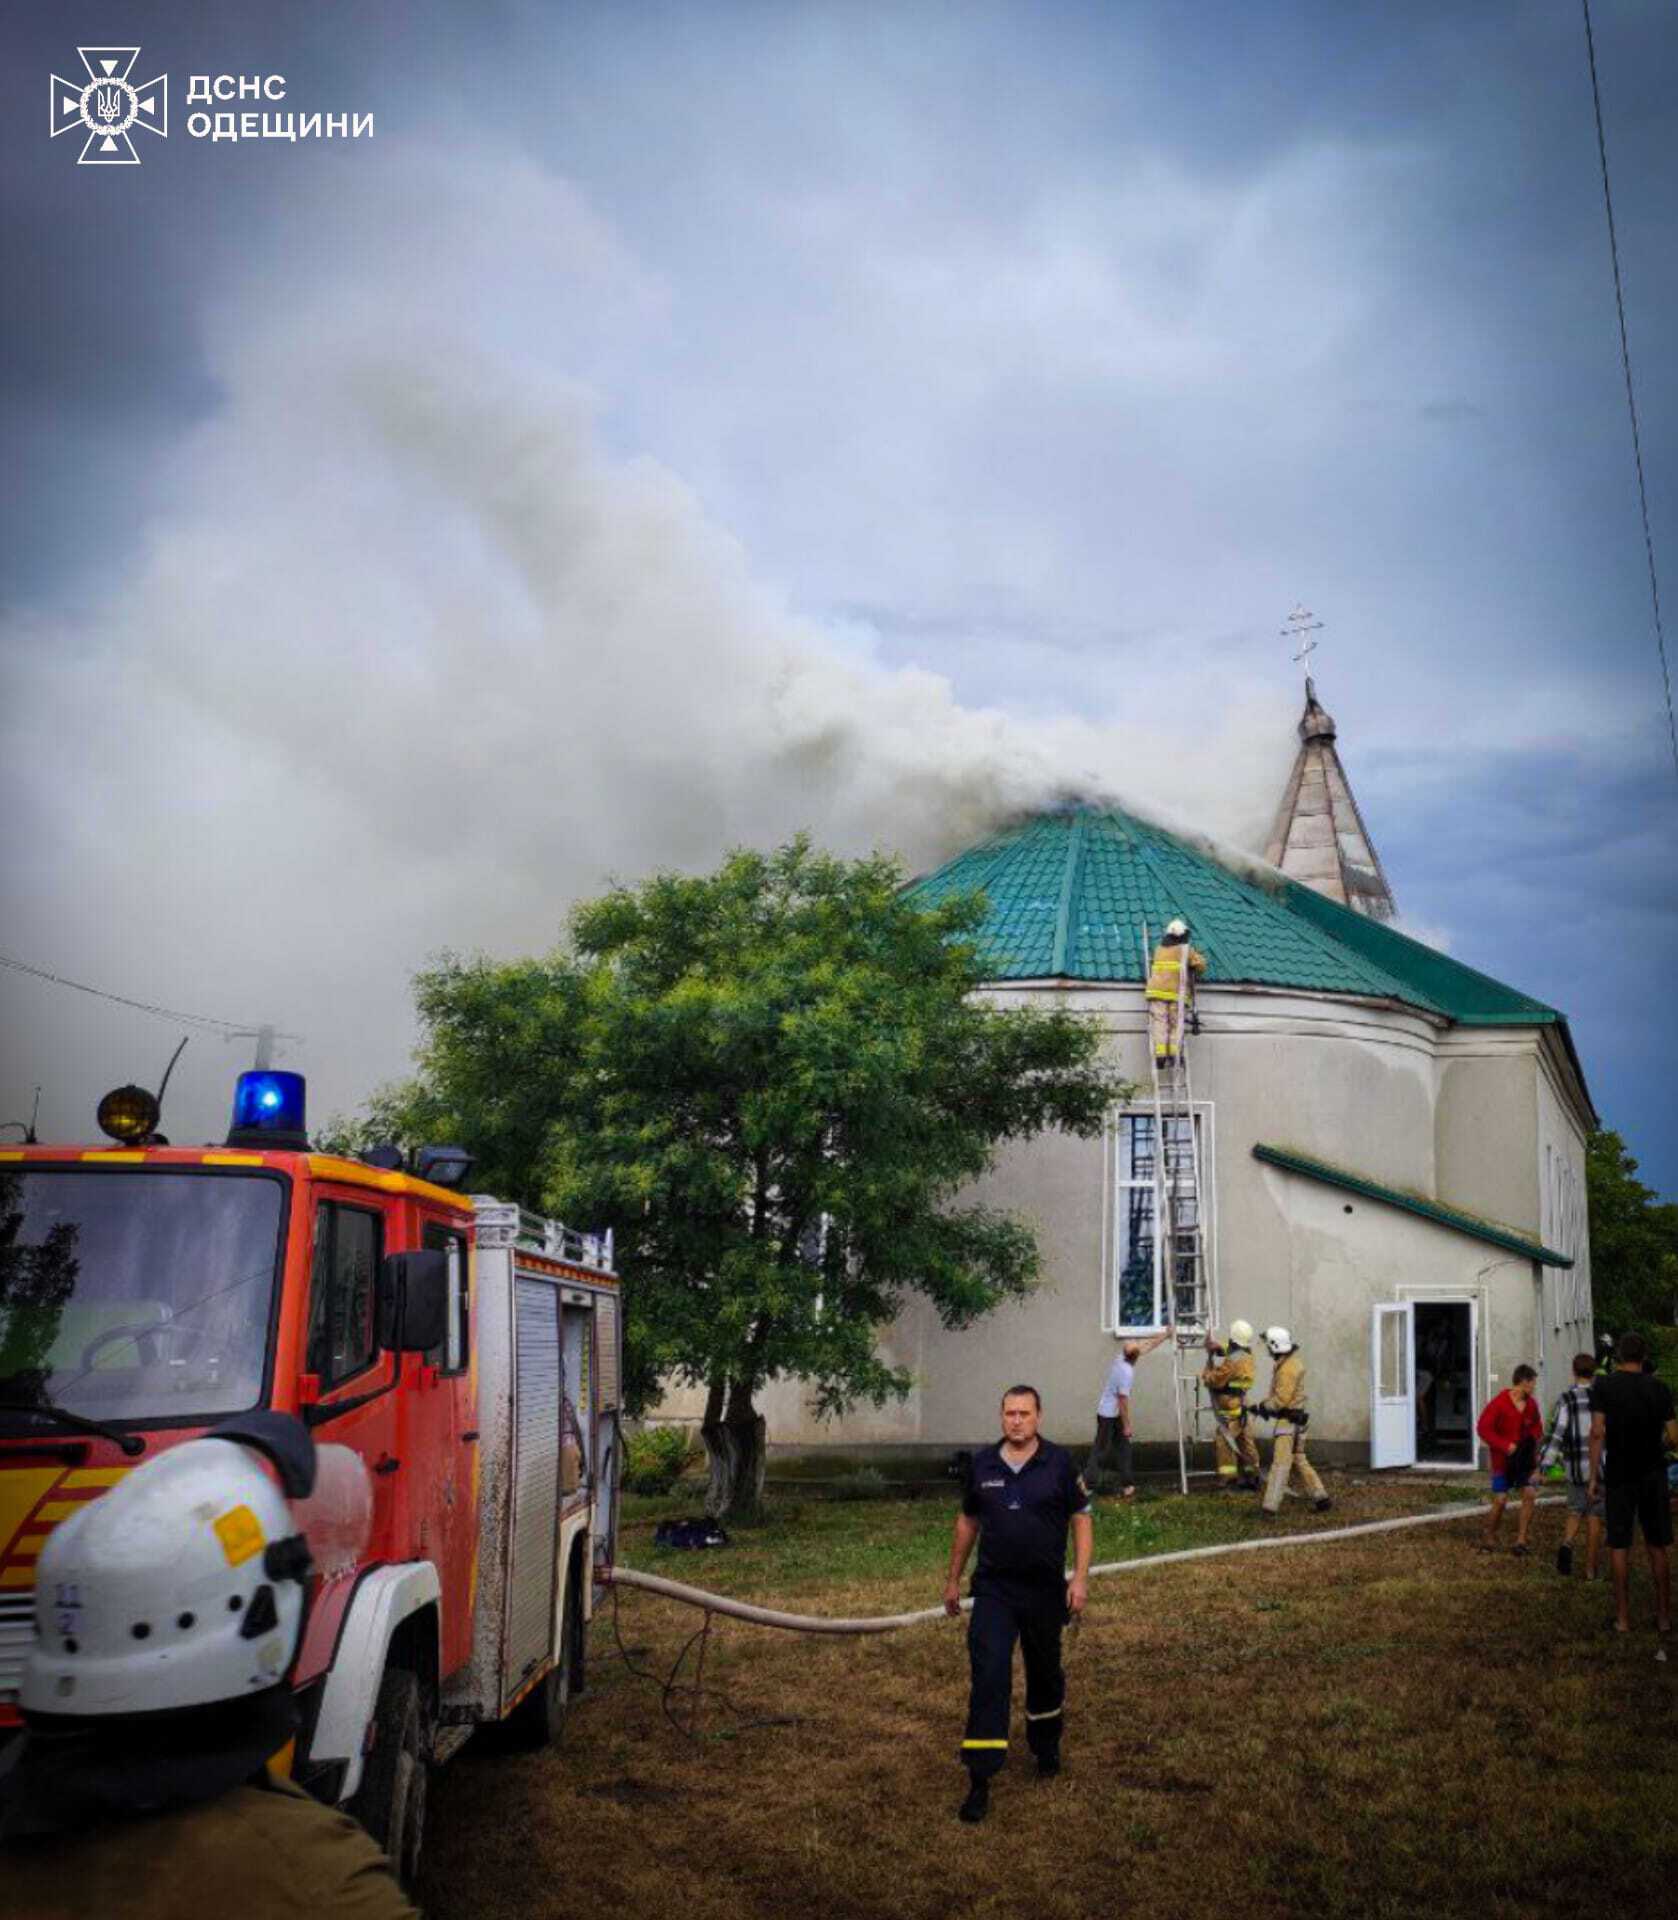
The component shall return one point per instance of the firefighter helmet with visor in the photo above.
(183, 1586)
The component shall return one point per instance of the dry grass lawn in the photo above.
(1397, 1726)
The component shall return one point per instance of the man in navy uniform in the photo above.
(1023, 1494)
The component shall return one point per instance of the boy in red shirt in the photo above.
(1513, 1430)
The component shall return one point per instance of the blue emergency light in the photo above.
(268, 1110)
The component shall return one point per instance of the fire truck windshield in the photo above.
(135, 1295)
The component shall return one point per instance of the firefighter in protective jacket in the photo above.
(1285, 1404)
(151, 1778)
(1228, 1378)
(1170, 990)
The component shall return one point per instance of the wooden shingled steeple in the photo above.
(1319, 838)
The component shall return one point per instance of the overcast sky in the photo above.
(679, 425)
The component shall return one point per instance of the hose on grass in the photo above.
(893, 1622)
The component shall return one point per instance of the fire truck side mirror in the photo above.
(414, 1301)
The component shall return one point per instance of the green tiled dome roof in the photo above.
(1070, 891)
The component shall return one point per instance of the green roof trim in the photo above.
(1468, 1223)
(1071, 893)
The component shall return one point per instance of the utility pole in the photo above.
(266, 1039)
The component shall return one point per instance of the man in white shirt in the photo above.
(1113, 1429)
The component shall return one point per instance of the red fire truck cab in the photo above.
(466, 1351)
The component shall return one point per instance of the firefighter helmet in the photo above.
(183, 1586)
(1178, 929)
(1278, 1340)
(1241, 1332)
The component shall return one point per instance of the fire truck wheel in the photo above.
(538, 1720)
(390, 1802)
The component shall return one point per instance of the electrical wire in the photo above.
(1631, 394)
(672, 1687)
(204, 1021)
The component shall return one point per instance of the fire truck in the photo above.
(465, 1351)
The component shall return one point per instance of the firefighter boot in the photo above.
(977, 1804)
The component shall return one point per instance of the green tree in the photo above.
(773, 1082)
(1634, 1242)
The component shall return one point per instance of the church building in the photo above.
(1391, 1144)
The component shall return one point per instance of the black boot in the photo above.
(1048, 1765)
(977, 1804)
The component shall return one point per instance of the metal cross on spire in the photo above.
(1302, 623)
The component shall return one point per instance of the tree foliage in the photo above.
(773, 1082)
(1634, 1242)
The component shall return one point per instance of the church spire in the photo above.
(1319, 838)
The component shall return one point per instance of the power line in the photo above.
(1631, 396)
(231, 1028)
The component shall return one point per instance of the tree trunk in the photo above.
(736, 1450)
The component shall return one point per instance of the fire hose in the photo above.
(892, 1622)
(713, 1604)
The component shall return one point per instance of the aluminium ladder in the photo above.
(1180, 1260)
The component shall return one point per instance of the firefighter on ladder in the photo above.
(1170, 991)
(1228, 1378)
(1285, 1404)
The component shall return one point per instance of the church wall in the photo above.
(1355, 1085)
(1568, 1325)
(1348, 1254)
(1352, 1084)
(1486, 1125)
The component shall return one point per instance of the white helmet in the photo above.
(1278, 1340)
(181, 1587)
(1179, 928)
(1241, 1333)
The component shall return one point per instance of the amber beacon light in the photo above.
(128, 1114)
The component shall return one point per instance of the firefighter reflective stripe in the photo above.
(1165, 972)
(987, 1743)
(1052, 1714)
(1166, 975)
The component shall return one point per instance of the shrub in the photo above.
(866, 1483)
(654, 1459)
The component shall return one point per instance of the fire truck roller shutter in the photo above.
(536, 1441)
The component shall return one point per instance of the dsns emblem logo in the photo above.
(107, 106)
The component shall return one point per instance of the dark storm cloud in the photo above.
(1053, 350)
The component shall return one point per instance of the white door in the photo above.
(1392, 1418)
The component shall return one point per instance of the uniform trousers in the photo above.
(1245, 1447)
(1034, 1617)
(1288, 1456)
(1162, 1028)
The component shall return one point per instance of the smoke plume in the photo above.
(415, 653)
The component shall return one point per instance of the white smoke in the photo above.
(413, 657)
